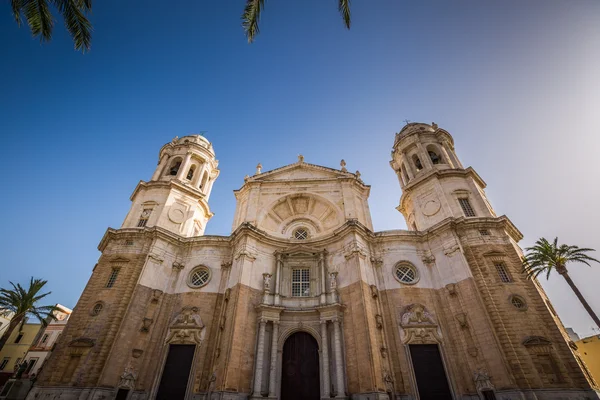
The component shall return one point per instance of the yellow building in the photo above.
(589, 349)
(16, 347)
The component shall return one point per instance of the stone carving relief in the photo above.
(136, 353)
(127, 380)
(156, 295)
(451, 287)
(246, 251)
(431, 207)
(146, 324)
(187, 327)
(177, 213)
(374, 291)
(418, 325)
(482, 380)
(353, 248)
(427, 257)
(379, 321)
(333, 281)
(267, 282)
(450, 250)
(177, 266)
(462, 320)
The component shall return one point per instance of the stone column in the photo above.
(161, 165)
(424, 156)
(339, 363)
(184, 166)
(260, 353)
(323, 281)
(273, 370)
(325, 360)
(408, 166)
(198, 175)
(446, 157)
(278, 268)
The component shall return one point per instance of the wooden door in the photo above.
(174, 380)
(300, 368)
(432, 382)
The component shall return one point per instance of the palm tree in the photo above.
(38, 16)
(253, 8)
(545, 257)
(22, 303)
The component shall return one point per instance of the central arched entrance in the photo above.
(300, 368)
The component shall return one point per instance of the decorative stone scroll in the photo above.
(418, 325)
(187, 327)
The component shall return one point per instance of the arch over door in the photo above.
(300, 368)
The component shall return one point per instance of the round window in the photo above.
(518, 302)
(97, 309)
(301, 234)
(406, 273)
(199, 277)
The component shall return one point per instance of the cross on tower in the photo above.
(406, 121)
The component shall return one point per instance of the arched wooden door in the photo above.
(300, 368)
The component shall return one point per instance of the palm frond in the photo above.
(545, 256)
(344, 8)
(250, 18)
(38, 16)
(16, 6)
(76, 22)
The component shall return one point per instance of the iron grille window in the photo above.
(301, 234)
(466, 207)
(502, 272)
(97, 308)
(301, 282)
(4, 362)
(484, 232)
(112, 278)
(517, 302)
(144, 217)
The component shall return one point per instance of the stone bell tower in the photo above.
(434, 183)
(176, 198)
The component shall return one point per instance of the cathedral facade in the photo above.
(304, 300)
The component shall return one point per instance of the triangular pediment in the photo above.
(301, 171)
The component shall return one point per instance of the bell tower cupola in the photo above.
(176, 197)
(434, 183)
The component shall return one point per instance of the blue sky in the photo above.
(514, 82)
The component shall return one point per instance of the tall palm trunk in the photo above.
(14, 322)
(565, 274)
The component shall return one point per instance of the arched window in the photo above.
(435, 159)
(434, 155)
(174, 168)
(190, 173)
(417, 162)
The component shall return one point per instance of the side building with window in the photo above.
(304, 300)
(16, 348)
(45, 340)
